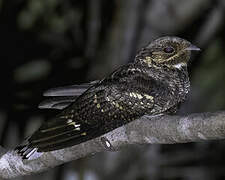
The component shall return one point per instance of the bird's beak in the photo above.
(192, 48)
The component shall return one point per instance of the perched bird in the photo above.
(155, 83)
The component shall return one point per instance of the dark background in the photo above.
(50, 43)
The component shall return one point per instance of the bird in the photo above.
(155, 83)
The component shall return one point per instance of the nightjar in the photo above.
(155, 83)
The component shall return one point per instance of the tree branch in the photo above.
(146, 130)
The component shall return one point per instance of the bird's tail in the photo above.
(56, 134)
(27, 152)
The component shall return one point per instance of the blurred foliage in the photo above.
(50, 16)
(209, 77)
(32, 71)
(49, 43)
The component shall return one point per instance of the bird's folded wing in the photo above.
(57, 102)
(73, 90)
(62, 97)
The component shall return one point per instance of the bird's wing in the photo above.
(57, 102)
(115, 101)
(72, 90)
(62, 97)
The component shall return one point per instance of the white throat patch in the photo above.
(179, 65)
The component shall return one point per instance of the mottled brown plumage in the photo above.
(155, 83)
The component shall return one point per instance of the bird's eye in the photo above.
(168, 50)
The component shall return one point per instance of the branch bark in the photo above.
(146, 130)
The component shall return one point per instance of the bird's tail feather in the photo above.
(57, 134)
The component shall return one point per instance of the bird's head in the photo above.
(169, 51)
